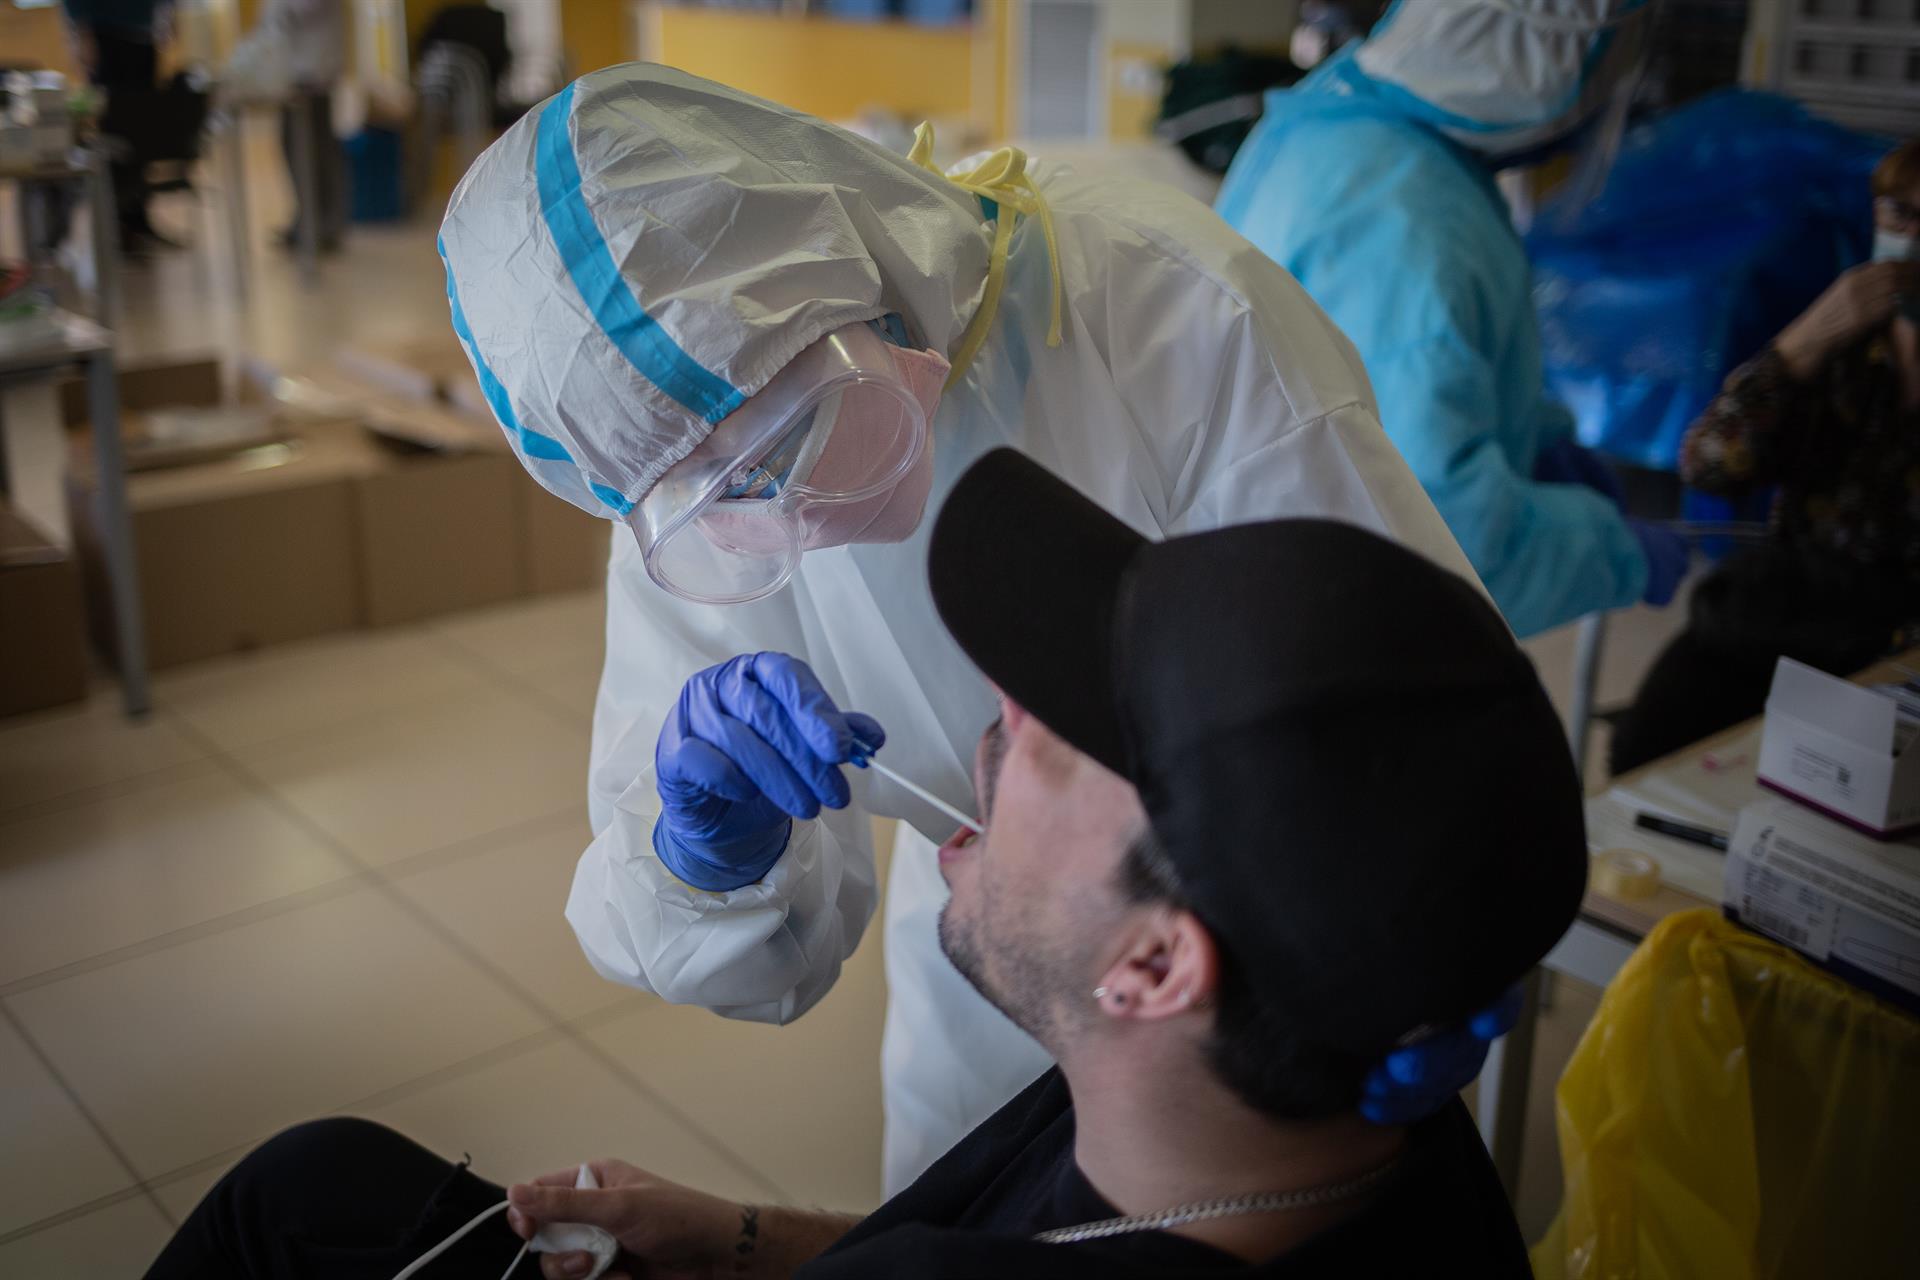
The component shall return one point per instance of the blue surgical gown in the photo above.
(1402, 238)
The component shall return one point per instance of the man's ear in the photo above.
(1170, 966)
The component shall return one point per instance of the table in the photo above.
(81, 342)
(87, 168)
(1715, 774)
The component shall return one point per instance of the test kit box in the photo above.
(1843, 749)
(1845, 900)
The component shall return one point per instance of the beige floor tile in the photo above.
(572, 685)
(118, 1242)
(530, 636)
(555, 1107)
(508, 902)
(1634, 638)
(740, 1081)
(178, 1196)
(283, 692)
(79, 882)
(55, 753)
(222, 1040)
(445, 771)
(53, 1158)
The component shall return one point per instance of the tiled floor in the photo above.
(328, 878)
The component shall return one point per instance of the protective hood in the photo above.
(645, 250)
(1499, 76)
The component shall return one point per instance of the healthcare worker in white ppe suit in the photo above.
(1372, 182)
(768, 348)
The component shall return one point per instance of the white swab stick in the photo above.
(928, 796)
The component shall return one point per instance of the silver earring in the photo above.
(1099, 993)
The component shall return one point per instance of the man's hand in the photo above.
(1861, 300)
(674, 1230)
(667, 1231)
(1414, 1082)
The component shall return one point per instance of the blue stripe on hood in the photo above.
(590, 263)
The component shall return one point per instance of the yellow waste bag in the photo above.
(1734, 1113)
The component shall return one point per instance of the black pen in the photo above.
(1681, 831)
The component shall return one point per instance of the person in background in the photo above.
(1372, 182)
(1188, 889)
(116, 43)
(1829, 413)
(316, 36)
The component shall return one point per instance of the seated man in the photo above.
(1263, 803)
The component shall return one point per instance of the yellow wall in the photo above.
(821, 66)
(35, 38)
(594, 34)
(1132, 109)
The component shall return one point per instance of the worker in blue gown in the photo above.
(1372, 182)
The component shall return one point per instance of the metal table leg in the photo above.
(1588, 645)
(116, 531)
(1503, 1089)
(106, 240)
(306, 163)
(239, 228)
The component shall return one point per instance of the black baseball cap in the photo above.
(1368, 797)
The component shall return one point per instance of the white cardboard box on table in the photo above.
(1845, 900)
(1841, 748)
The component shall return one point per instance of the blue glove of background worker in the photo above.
(1418, 1080)
(1667, 553)
(1570, 462)
(752, 744)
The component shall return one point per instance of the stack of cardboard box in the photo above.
(371, 501)
(43, 656)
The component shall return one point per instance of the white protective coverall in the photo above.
(1195, 385)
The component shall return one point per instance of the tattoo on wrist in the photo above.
(749, 1238)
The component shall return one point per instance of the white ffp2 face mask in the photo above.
(1891, 246)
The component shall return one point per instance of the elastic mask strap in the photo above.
(1002, 178)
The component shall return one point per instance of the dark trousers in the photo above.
(127, 63)
(1746, 615)
(341, 1198)
(328, 201)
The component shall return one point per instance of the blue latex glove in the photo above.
(752, 744)
(1667, 554)
(1570, 462)
(1414, 1082)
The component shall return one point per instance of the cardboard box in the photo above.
(555, 546)
(439, 533)
(1848, 902)
(439, 515)
(423, 369)
(1840, 747)
(566, 549)
(254, 549)
(43, 639)
(176, 413)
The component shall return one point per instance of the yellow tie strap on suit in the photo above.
(1001, 176)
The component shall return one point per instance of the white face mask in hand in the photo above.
(1891, 246)
(553, 1237)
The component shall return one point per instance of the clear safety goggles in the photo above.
(727, 523)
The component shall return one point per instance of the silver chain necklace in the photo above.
(1234, 1206)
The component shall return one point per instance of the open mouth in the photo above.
(957, 845)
